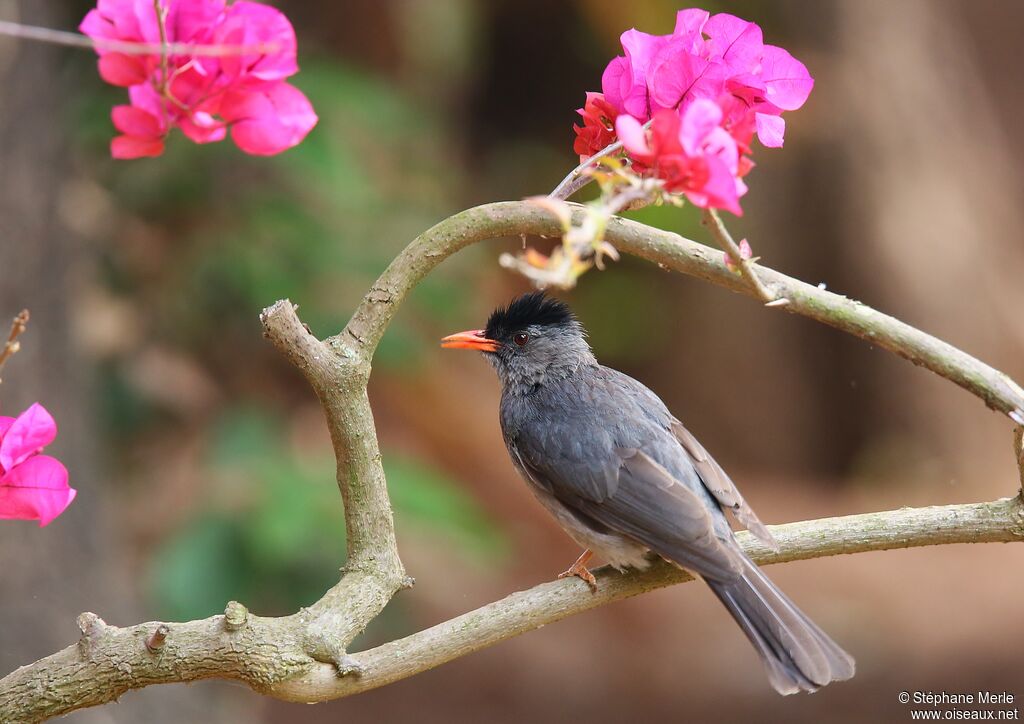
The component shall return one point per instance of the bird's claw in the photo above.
(583, 574)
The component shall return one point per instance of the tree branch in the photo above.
(373, 573)
(300, 657)
(1000, 521)
(514, 218)
(107, 661)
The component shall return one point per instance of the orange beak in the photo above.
(473, 339)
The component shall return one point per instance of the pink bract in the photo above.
(32, 486)
(708, 59)
(598, 129)
(691, 153)
(203, 96)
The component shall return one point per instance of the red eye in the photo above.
(521, 338)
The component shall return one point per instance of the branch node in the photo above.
(712, 221)
(348, 666)
(156, 640)
(90, 624)
(408, 582)
(235, 616)
(92, 627)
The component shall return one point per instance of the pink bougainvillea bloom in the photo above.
(204, 96)
(252, 24)
(269, 120)
(691, 153)
(598, 129)
(143, 133)
(625, 79)
(32, 486)
(678, 77)
(718, 59)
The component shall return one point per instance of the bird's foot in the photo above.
(579, 569)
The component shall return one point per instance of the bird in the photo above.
(602, 454)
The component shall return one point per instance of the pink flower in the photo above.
(269, 120)
(598, 129)
(625, 79)
(32, 486)
(690, 152)
(203, 96)
(707, 61)
(720, 57)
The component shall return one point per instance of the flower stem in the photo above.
(12, 345)
(161, 23)
(746, 266)
(576, 179)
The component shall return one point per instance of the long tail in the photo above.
(798, 655)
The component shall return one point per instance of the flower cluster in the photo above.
(241, 88)
(32, 486)
(706, 90)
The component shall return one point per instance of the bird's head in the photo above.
(534, 339)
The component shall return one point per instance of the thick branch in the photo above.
(265, 653)
(373, 572)
(514, 218)
(1000, 521)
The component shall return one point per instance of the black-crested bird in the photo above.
(622, 476)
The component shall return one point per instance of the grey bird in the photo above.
(622, 476)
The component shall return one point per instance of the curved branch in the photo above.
(998, 521)
(300, 657)
(373, 572)
(514, 218)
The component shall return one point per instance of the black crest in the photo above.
(532, 309)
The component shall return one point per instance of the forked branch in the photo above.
(303, 657)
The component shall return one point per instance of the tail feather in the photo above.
(798, 655)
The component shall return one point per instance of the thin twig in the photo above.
(746, 266)
(12, 345)
(77, 40)
(576, 180)
(161, 23)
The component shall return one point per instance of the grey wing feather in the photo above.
(721, 486)
(647, 505)
(654, 508)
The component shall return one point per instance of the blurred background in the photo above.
(203, 467)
